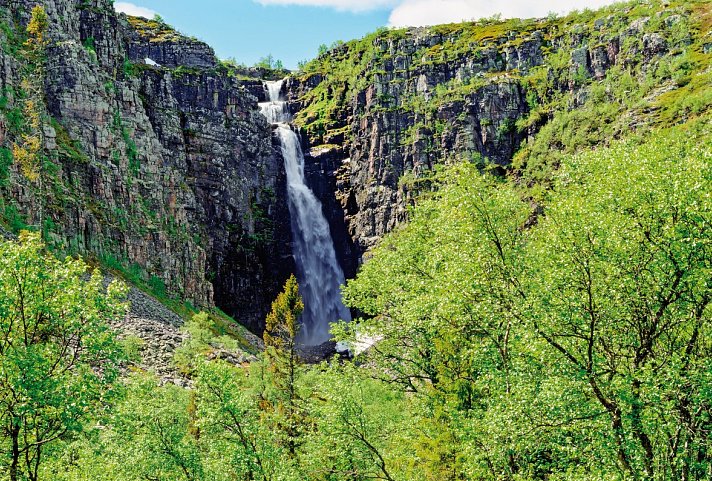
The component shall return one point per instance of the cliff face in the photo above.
(159, 164)
(381, 112)
(164, 171)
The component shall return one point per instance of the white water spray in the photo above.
(318, 271)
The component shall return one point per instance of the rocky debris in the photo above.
(158, 330)
(316, 354)
(144, 306)
(234, 358)
(159, 334)
(256, 343)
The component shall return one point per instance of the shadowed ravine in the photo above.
(318, 270)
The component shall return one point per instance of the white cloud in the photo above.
(350, 5)
(134, 10)
(432, 12)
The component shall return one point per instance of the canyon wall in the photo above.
(380, 113)
(159, 165)
(163, 168)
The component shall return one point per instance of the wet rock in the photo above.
(316, 354)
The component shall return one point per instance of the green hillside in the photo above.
(541, 311)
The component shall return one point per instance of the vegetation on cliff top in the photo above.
(156, 30)
(562, 91)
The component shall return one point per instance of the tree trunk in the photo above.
(15, 435)
(639, 431)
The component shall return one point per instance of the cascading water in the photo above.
(318, 271)
(275, 110)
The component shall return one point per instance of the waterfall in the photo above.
(275, 110)
(318, 270)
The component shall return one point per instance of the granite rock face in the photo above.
(166, 171)
(161, 44)
(161, 164)
(381, 140)
(427, 97)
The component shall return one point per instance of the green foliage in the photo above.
(14, 118)
(132, 154)
(156, 30)
(560, 347)
(12, 217)
(205, 334)
(230, 415)
(5, 163)
(270, 68)
(282, 323)
(157, 286)
(89, 44)
(362, 425)
(68, 148)
(91, 50)
(132, 346)
(59, 359)
(145, 437)
(280, 337)
(130, 69)
(11, 40)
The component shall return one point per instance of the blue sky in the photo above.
(292, 30)
(247, 30)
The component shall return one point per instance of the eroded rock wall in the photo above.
(415, 98)
(167, 171)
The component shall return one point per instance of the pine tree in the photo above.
(280, 336)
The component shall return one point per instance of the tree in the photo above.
(620, 287)
(232, 422)
(359, 427)
(570, 345)
(151, 428)
(269, 63)
(280, 336)
(58, 357)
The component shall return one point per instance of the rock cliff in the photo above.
(159, 165)
(381, 112)
(158, 161)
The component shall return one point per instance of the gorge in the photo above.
(319, 273)
(165, 169)
(519, 211)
